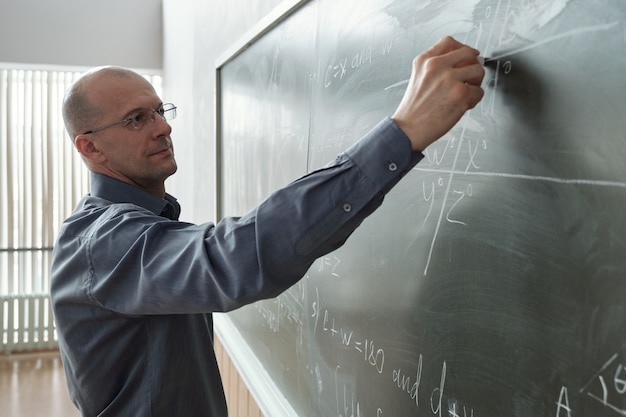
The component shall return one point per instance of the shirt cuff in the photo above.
(384, 154)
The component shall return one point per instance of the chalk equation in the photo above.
(326, 323)
(461, 152)
(287, 308)
(607, 387)
(495, 28)
(348, 405)
(373, 354)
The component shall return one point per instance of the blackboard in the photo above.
(492, 281)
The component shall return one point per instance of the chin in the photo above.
(166, 172)
(173, 169)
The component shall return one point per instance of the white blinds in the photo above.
(41, 176)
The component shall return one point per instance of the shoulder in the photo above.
(94, 215)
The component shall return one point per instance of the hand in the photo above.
(444, 84)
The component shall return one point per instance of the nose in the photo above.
(161, 124)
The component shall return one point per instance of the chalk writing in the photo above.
(287, 306)
(568, 34)
(347, 406)
(330, 262)
(454, 410)
(443, 205)
(387, 46)
(411, 386)
(372, 354)
(562, 405)
(403, 381)
(570, 181)
(496, 30)
(337, 71)
(608, 388)
(437, 395)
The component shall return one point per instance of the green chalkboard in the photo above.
(492, 281)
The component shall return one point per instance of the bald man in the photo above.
(133, 288)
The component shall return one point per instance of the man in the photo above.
(133, 288)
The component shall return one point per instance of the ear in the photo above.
(89, 149)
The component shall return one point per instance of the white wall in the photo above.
(82, 33)
(197, 32)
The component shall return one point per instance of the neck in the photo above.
(156, 188)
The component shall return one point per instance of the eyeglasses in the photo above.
(140, 117)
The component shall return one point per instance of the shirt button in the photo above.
(392, 166)
(347, 207)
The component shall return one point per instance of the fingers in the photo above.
(446, 45)
(445, 83)
(462, 57)
(447, 53)
(472, 74)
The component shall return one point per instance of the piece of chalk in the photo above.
(483, 61)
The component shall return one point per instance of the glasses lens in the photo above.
(168, 111)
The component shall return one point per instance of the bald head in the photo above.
(100, 110)
(80, 105)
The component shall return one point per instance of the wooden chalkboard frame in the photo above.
(246, 362)
(252, 370)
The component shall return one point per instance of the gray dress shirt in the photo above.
(133, 288)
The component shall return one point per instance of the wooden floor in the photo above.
(33, 385)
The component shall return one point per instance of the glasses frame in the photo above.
(167, 111)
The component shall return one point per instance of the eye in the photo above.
(137, 119)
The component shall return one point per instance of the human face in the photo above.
(144, 157)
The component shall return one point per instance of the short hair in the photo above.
(78, 111)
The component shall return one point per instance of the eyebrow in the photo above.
(144, 108)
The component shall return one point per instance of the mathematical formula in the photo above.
(374, 355)
(607, 387)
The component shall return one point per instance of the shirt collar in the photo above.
(118, 191)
